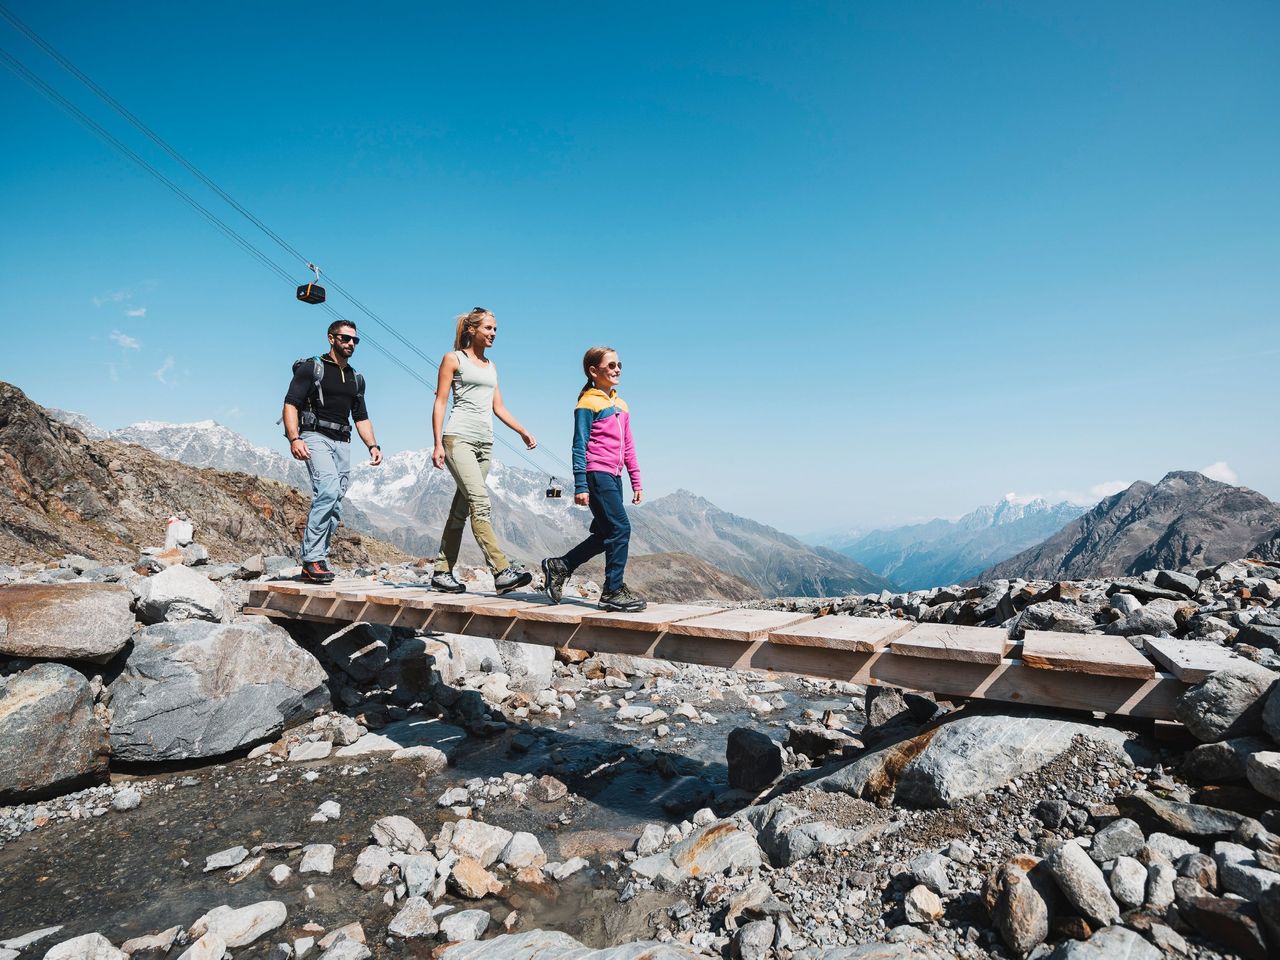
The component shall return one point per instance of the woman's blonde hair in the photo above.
(591, 359)
(467, 323)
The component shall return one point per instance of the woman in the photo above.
(465, 445)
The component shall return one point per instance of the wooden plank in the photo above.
(654, 618)
(566, 611)
(842, 633)
(1092, 653)
(1190, 660)
(414, 597)
(740, 625)
(949, 642)
(462, 602)
(332, 591)
(502, 606)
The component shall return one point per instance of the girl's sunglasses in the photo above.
(612, 365)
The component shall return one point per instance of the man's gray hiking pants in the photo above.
(329, 467)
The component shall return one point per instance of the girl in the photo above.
(465, 446)
(602, 445)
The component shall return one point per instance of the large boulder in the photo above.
(971, 755)
(197, 689)
(359, 650)
(1226, 704)
(179, 593)
(553, 945)
(754, 759)
(50, 738)
(529, 665)
(65, 621)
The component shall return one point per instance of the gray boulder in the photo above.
(359, 650)
(973, 754)
(1223, 761)
(554, 945)
(67, 621)
(1080, 879)
(529, 665)
(1181, 582)
(754, 760)
(1109, 943)
(1271, 715)
(50, 738)
(196, 689)
(1226, 704)
(1146, 622)
(179, 593)
(1264, 773)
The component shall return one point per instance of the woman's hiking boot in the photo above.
(622, 600)
(507, 580)
(446, 582)
(316, 571)
(554, 574)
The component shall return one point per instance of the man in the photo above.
(325, 396)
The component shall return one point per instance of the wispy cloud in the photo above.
(163, 373)
(136, 312)
(125, 341)
(115, 296)
(1220, 471)
(1108, 488)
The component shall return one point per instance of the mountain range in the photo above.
(405, 501)
(940, 552)
(1184, 520)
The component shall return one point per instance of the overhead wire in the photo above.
(30, 77)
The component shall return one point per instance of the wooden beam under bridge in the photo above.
(1069, 671)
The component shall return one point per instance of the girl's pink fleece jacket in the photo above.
(602, 438)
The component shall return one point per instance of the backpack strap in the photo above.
(317, 377)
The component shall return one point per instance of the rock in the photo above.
(68, 621)
(1223, 761)
(1109, 943)
(372, 864)
(930, 870)
(563, 871)
(1080, 879)
(1264, 773)
(715, 848)
(1240, 873)
(1160, 886)
(1020, 905)
(345, 949)
(91, 946)
(472, 880)
(1051, 811)
(196, 689)
(815, 740)
(1181, 582)
(244, 869)
(552, 944)
(1226, 704)
(239, 928)
(398, 833)
(523, 850)
(179, 593)
(224, 858)
(548, 789)
(483, 842)
(1119, 838)
(419, 872)
(921, 905)
(310, 750)
(52, 739)
(280, 874)
(157, 943)
(1233, 923)
(317, 858)
(1145, 622)
(972, 754)
(1172, 848)
(652, 839)
(407, 733)
(178, 533)
(209, 947)
(529, 665)
(1269, 908)
(1129, 882)
(414, 920)
(1201, 868)
(18, 943)
(429, 758)
(127, 798)
(1188, 819)
(754, 941)
(1054, 616)
(754, 760)
(465, 925)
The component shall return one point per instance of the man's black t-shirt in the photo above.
(342, 403)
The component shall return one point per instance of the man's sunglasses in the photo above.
(346, 338)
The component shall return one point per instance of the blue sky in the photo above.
(864, 263)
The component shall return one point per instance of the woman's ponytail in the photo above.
(466, 329)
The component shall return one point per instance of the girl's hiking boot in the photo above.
(622, 600)
(554, 574)
(317, 571)
(507, 580)
(446, 583)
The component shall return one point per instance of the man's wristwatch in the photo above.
(293, 440)
(374, 446)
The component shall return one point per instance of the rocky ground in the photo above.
(184, 781)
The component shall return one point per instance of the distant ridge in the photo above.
(1184, 520)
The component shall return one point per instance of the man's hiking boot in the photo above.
(446, 583)
(622, 600)
(507, 580)
(554, 574)
(316, 571)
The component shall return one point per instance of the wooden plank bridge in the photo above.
(1066, 670)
